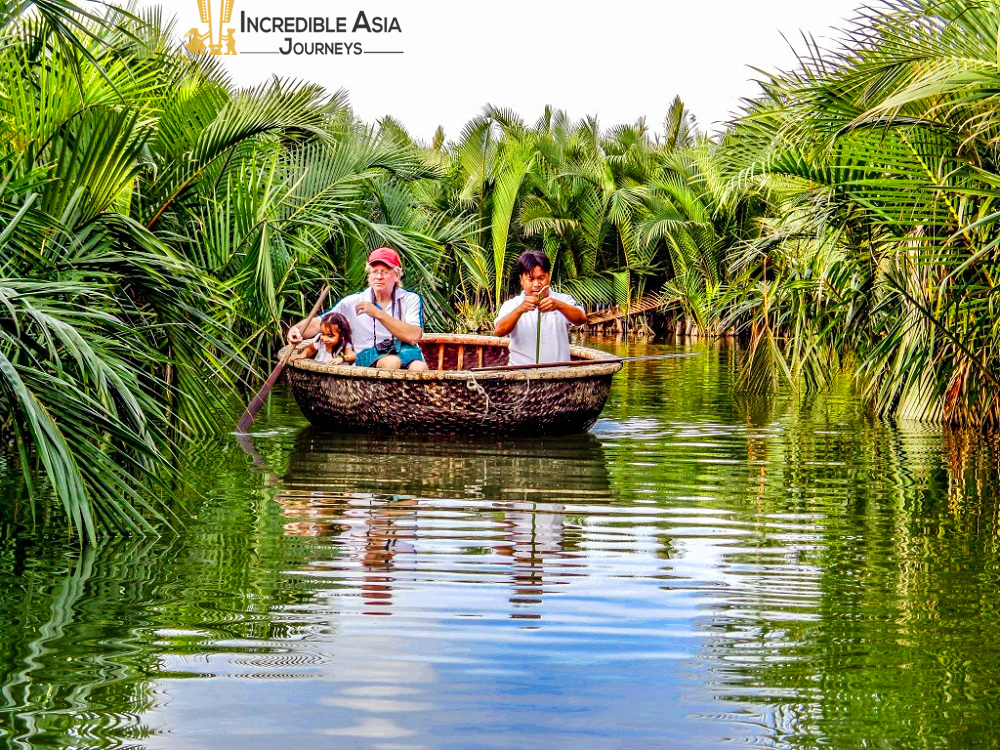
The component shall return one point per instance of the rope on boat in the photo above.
(474, 385)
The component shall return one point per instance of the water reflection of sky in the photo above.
(470, 658)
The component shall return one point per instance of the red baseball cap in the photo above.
(385, 255)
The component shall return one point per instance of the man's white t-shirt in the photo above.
(365, 330)
(555, 332)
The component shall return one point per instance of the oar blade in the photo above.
(258, 401)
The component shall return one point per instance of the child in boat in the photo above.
(331, 345)
(520, 317)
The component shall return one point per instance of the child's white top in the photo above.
(322, 355)
(555, 332)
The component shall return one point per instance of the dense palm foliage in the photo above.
(101, 320)
(154, 224)
(886, 247)
(158, 227)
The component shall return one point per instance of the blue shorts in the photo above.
(407, 353)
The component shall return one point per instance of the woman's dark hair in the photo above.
(338, 320)
(529, 261)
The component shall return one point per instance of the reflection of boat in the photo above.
(554, 469)
(386, 511)
(452, 398)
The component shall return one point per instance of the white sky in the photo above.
(618, 60)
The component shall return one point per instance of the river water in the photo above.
(699, 570)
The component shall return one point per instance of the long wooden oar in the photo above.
(258, 401)
(579, 363)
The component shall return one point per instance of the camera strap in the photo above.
(392, 314)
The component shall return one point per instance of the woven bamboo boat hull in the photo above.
(452, 399)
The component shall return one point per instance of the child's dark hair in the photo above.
(530, 260)
(338, 320)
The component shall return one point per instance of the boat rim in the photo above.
(549, 373)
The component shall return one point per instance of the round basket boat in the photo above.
(452, 398)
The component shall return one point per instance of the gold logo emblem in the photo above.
(210, 43)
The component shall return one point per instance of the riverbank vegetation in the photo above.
(158, 226)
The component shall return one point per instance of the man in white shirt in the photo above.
(386, 320)
(519, 317)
